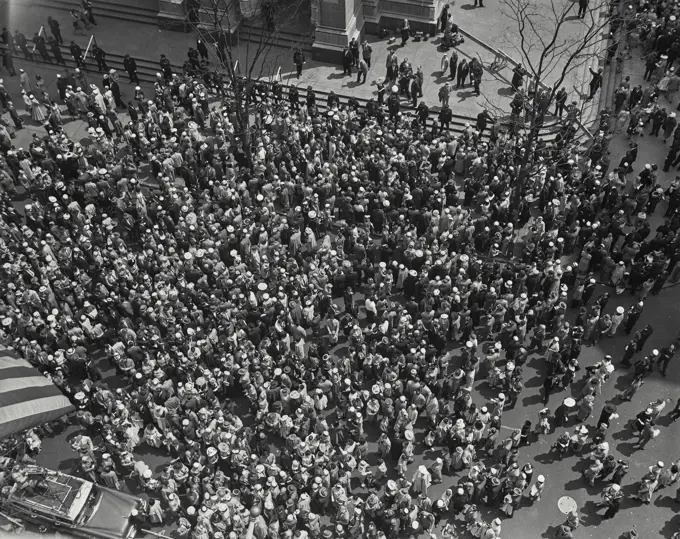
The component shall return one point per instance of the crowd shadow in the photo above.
(581, 483)
(507, 92)
(551, 532)
(536, 398)
(589, 515)
(440, 77)
(463, 95)
(627, 449)
(69, 465)
(547, 458)
(536, 381)
(670, 527)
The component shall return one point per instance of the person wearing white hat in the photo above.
(421, 481)
(537, 488)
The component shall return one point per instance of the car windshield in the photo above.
(89, 508)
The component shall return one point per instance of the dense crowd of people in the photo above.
(278, 296)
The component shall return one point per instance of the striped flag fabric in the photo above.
(27, 398)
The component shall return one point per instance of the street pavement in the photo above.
(660, 519)
(562, 477)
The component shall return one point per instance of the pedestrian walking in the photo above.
(8, 61)
(299, 61)
(669, 126)
(22, 43)
(354, 49)
(77, 54)
(674, 414)
(595, 82)
(367, 51)
(55, 28)
(41, 45)
(444, 94)
(667, 353)
(79, 25)
(87, 8)
(347, 61)
(100, 58)
(445, 116)
(453, 65)
(25, 81)
(362, 71)
(644, 335)
(130, 66)
(405, 31)
(18, 122)
(55, 48)
(633, 316)
(463, 71)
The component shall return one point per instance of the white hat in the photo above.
(540, 479)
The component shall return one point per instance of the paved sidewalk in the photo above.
(146, 42)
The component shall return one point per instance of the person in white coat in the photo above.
(422, 479)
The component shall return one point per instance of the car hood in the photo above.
(111, 520)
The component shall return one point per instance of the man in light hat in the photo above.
(422, 480)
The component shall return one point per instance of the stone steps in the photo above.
(251, 31)
(121, 10)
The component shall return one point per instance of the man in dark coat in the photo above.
(22, 43)
(166, 67)
(346, 62)
(595, 82)
(632, 317)
(202, 49)
(55, 29)
(130, 66)
(115, 90)
(100, 57)
(77, 54)
(608, 413)
(445, 116)
(8, 60)
(483, 119)
(56, 51)
(41, 45)
(61, 87)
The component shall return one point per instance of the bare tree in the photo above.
(544, 43)
(245, 56)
